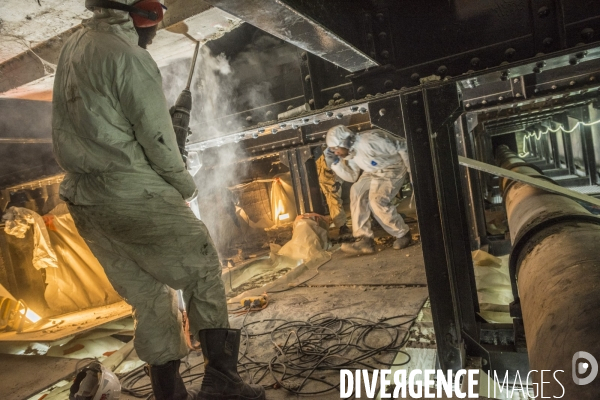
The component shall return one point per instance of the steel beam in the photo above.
(281, 20)
(305, 180)
(428, 116)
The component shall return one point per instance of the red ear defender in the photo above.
(152, 6)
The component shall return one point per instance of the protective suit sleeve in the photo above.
(143, 103)
(403, 151)
(330, 157)
(347, 170)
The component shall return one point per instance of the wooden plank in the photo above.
(23, 376)
(538, 183)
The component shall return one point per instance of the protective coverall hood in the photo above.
(111, 128)
(340, 136)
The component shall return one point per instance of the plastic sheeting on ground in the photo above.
(309, 239)
(80, 281)
(283, 207)
(493, 286)
(18, 220)
(74, 278)
(306, 248)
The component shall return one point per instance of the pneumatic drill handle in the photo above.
(180, 116)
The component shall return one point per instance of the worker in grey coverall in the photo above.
(126, 186)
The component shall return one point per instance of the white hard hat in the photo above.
(339, 136)
(95, 382)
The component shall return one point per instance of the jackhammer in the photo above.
(180, 112)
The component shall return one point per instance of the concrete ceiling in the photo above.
(31, 36)
(27, 23)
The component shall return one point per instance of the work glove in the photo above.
(330, 158)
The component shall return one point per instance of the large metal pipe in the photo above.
(556, 263)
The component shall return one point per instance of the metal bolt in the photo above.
(516, 80)
(311, 101)
(282, 125)
(273, 131)
(484, 102)
(442, 70)
(329, 114)
(369, 36)
(382, 35)
(587, 34)
(415, 77)
(554, 87)
(363, 110)
(249, 119)
(510, 53)
(592, 78)
(305, 120)
(379, 16)
(360, 91)
(536, 90)
(294, 126)
(504, 75)
(382, 111)
(518, 95)
(307, 78)
(354, 108)
(385, 54)
(543, 12)
(304, 55)
(500, 98)
(255, 135)
(337, 96)
(467, 105)
(269, 114)
(290, 107)
(548, 41)
(572, 83)
(316, 121)
(475, 61)
(581, 54)
(339, 116)
(415, 102)
(261, 130)
(419, 130)
(388, 84)
(573, 61)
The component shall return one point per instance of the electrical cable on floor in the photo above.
(311, 351)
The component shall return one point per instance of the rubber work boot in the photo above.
(363, 245)
(402, 242)
(167, 383)
(220, 348)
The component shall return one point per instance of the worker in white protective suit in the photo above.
(126, 187)
(383, 160)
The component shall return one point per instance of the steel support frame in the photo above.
(429, 116)
(472, 190)
(305, 180)
(589, 156)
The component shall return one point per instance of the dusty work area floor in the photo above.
(351, 311)
(347, 294)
